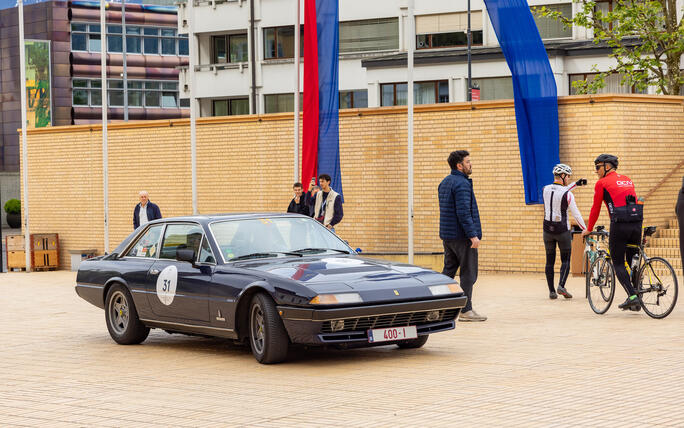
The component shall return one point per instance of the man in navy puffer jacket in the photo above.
(459, 227)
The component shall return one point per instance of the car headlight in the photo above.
(452, 288)
(335, 299)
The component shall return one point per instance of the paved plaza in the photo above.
(535, 362)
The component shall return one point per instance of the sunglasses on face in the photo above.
(598, 166)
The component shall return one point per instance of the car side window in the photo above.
(206, 256)
(178, 236)
(148, 244)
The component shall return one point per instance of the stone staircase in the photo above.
(666, 245)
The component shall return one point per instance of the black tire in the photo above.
(267, 335)
(600, 282)
(122, 318)
(413, 343)
(658, 289)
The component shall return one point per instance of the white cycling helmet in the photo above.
(562, 168)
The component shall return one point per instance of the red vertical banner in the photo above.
(310, 134)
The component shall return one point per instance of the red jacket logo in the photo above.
(624, 183)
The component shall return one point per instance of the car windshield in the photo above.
(270, 237)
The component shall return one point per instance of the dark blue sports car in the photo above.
(270, 279)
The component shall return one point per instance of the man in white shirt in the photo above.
(558, 198)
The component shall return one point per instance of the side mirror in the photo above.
(186, 255)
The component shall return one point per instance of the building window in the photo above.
(279, 42)
(354, 99)
(550, 28)
(431, 92)
(379, 34)
(494, 88)
(448, 30)
(230, 107)
(229, 48)
(279, 103)
(613, 83)
(147, 40)
(141, 93)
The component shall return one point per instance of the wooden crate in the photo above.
(45, 259)
(15, 243)
(16, 259)
(44, 241)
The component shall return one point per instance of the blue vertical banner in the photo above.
(534, 90)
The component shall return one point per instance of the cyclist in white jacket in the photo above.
(558, 199)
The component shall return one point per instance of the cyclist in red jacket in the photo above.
(626, 215)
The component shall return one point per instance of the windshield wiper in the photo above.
(261, 255)
(318, 250)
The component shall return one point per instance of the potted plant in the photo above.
(13, 210)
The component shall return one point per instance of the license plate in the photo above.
(392, 333)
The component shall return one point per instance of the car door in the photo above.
(136, 263)
(179, 290)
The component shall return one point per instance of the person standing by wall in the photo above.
(558, 198)
(300, 202)
(327, 204)
(679, 209)
(459, 227)
(145, 211)
(617, 191)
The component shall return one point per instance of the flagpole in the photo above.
(296, 97)
(193, 102)
(24, 144)
(411, 44)
(104, 103)
(470, 77)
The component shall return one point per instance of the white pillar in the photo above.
(296, 96)
(105, 150)
(24, 145)
(193, 52)
(411, 46)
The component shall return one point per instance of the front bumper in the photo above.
(313, 326)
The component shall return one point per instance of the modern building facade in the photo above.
(72, 76)
(245, 60)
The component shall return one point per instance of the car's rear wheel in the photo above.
(413, 343)
(267, 335)
(122, 318)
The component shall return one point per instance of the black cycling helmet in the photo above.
(606, 158)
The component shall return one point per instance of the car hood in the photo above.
(345, 272)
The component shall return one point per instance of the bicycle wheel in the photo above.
(657, 287)
(601, 283)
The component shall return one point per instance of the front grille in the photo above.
(390, 320)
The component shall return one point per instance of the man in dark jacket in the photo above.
(459, 227)
(300, 203)
(679, 209)
(149, 212)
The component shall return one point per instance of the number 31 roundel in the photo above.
(166, 284)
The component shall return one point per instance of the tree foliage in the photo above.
(646, 39)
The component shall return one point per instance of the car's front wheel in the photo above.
(413, 343)
(267, 335)
(122, 318)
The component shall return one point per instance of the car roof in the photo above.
(208, 218)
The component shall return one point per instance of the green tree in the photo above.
(646, 39)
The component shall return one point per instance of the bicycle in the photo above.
(654, 277)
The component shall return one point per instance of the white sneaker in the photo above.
(471, 316)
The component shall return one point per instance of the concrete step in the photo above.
(673, 223)
(664, 242)
(668, 233)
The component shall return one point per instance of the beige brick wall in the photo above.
(245, 164)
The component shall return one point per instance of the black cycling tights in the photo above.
(564, 270)
(564, 241)
(622, 234)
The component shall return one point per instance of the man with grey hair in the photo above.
(145, 211)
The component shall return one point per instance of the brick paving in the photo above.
(534, 363)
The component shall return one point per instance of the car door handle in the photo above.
(154, 271)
